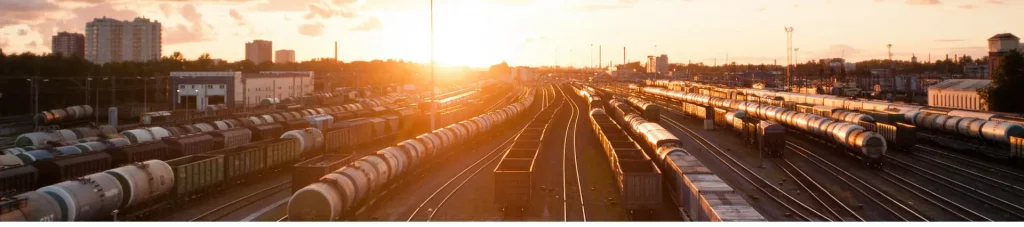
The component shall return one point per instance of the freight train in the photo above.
(996, 135)
(854, 139)
(338, 193)
(693, 187)
(27, 168)
(199, 162)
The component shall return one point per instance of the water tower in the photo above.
(998, 46)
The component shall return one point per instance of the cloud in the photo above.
(369, 24)
(950, 40)
(32, 45)
(24, 11)
(237, 17)
(315, 29)
(834, 51)
(622, 4)
(967, 6)
(325, 11)
(166, 9)
(22, 32)
(923, 2)
(282, 5)
(995, 1)
(196, 31)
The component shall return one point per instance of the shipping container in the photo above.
(241, 162)
(195, 176)
(310, 171)
(64, 168)
(18, 179)
(191, 144)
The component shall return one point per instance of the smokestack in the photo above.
(623, 55)
(599, 52)
(335, 50)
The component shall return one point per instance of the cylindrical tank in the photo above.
(138, 136)
(205, 127)
(315, 202)
(68, 150)
(361, 180)
(221, 125)
(33, 139)
(395, 159)
(117, 142)
(33, 156)
(89, 198)
(378, 166)
(38, 207)
(159, 133)
(143, 182)
(10, 160)
(430, 143)
(414, 150)
(91, 146)
(107, 130)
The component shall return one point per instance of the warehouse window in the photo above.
(221, 86)
(182, 86)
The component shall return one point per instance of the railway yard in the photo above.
(557, 150)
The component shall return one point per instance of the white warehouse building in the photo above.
(958, 94)
(196, 90)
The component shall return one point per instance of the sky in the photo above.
(539, 32)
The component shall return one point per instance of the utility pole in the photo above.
(433, 105)
(789, 55)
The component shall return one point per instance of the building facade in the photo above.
(661, 64)
(68, 44)
(998, 46)
(259, 51)
(958, 94)
(976, 71)
(197, 90)
(284, 56)
(110, 40)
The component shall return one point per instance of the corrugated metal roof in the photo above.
(960, 84)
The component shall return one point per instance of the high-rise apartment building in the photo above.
(284, 56)
(259, 51)
(110, 40)
(68, 44)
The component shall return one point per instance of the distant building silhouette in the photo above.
(110, 40)
(259, 51)
(68, 44)
(284, 56)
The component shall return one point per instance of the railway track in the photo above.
(431, 206)
(994, 171)
(492, 107)
(231, 207)
(800, 209)
(900, 211)
(572, 123)
(830, 203)
(1011, 210)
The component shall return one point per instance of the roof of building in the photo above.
(960, 85)
(1003, 36)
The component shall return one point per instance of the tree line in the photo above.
(65, 81)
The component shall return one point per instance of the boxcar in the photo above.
(280, 151)
(18, 179)
(191, 144)
(230, 138)
(310, 171)
(62, 168)
(726, 207)
(138, 153)
(241, 162)
(266, 131)
(195, 176)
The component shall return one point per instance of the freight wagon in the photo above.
(638, 180)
